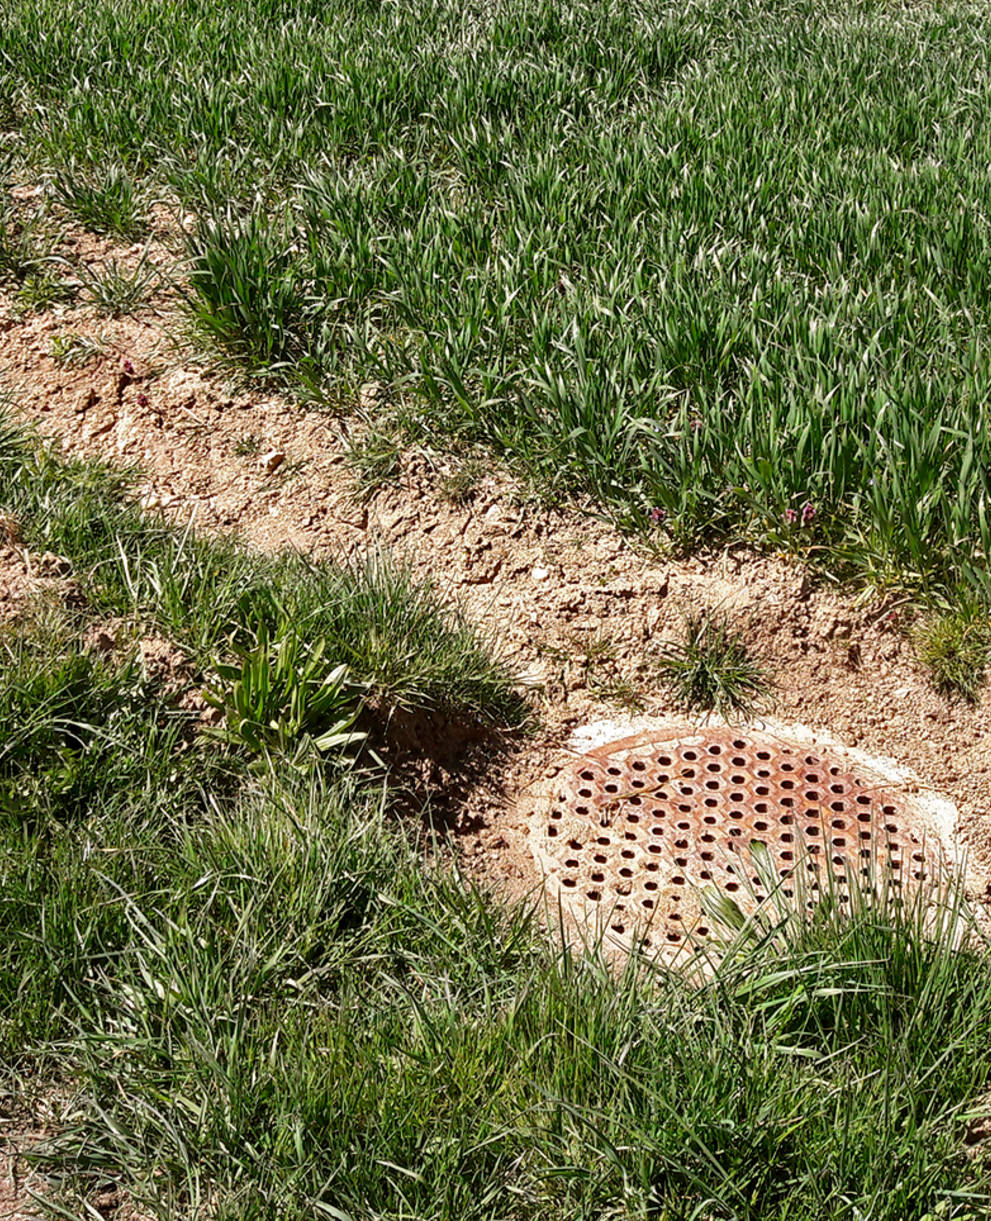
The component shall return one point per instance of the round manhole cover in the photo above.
(637, 828)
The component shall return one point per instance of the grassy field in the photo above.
(720, 270)
(253, 998)
(710, 264)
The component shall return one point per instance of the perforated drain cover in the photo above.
(636, 828)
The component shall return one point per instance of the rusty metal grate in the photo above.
(637, 827)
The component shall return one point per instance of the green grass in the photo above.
(955, 648)
(711, 669)
(391, 631)
(254, 994)
(723, 262)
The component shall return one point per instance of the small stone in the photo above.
(540, 574)
(272, 460)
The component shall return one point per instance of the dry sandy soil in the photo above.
(576, 607)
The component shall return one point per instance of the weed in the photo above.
(103, 204)
(373, 460)
(711, 669)
(248, 445)
(955, 648)
(24, 250)
(460, 487)
(281, 695)
(72, 350)
(40, 290)
(116, 290)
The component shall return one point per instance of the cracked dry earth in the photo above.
(575, 607)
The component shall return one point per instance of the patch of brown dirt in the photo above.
(577, 608)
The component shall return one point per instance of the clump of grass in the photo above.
(72, 350)
(711, 669)
(108, 203)
(460, 487)
(40, 290)
(373, 460)
(248, 445)
(955, 648)
(24, 249)
(280, 696)
(115, 289)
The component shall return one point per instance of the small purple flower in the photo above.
(127, 367)
(789, 517)
(808, 514)
(142, 400)
(657, 515)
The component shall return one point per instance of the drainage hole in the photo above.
(581, 809)
(684, 826)
(650, 885)
(690, 754)
(576, 844)
(678, 880)
(584, 792)
(655, 848)
(626, 854)
(599, 858)
(736, 813)
(657, 830)
(556, 814)
(571, 863)
(648, 902)
(839, 841)
(734, 831)
(709, 820)
(612, 788)
(786, 837)
(594, 895)
(712, 784)
(638, 765)
(681, 843)
(674, 937)
(569, 882)
(760, 826)
(707, 856)
(604, 840)
(732, 885)
(708, 838)
(711, 803)
(652, 866)
(598, 877)
(586, 775)
(681, 862)
(664, 760)
(618, 928)
(552, 831)
(629, 835)
(705, 874)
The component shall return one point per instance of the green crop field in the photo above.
(722, 261)
(720, 269)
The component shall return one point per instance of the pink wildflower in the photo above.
(127, 367)
(657, 515)
(808, 514)
(789, 517)
(142, 400)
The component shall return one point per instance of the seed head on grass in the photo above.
(711, 669)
